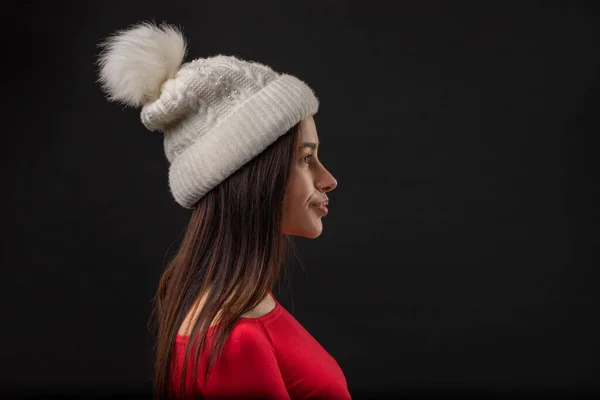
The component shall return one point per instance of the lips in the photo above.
(321, 203)
(321, 207)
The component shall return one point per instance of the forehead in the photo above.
(308, 130)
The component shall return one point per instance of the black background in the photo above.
(460, 252)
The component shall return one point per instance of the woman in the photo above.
(243, 147)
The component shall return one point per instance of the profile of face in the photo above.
(309, 182)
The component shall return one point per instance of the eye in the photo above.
(307, 156)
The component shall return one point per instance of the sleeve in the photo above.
(248, 368)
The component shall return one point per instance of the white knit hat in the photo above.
(216, 113)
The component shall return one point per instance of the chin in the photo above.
(312, 232)
(306, 234)
(313, 235)
(308, 227)
(309, 233)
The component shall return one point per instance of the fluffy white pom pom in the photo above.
(135, 62)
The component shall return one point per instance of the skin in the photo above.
(309, 183)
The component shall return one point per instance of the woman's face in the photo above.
(309, 183)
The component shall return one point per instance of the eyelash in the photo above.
(308, 155)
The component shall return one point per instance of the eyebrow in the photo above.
(312, 145)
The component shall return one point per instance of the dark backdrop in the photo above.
(460, 252)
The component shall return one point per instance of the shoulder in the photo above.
(249, 338)
(248, 352)
(247, 368)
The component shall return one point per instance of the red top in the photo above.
(271, 357)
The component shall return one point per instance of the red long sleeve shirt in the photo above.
(271, 357)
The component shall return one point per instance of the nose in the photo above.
(328, 182)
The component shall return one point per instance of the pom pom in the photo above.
(135, 62)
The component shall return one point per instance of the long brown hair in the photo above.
(232, 252)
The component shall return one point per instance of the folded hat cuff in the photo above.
(240, 136)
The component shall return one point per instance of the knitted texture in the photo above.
(216, 113)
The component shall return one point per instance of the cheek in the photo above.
(299, 192)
